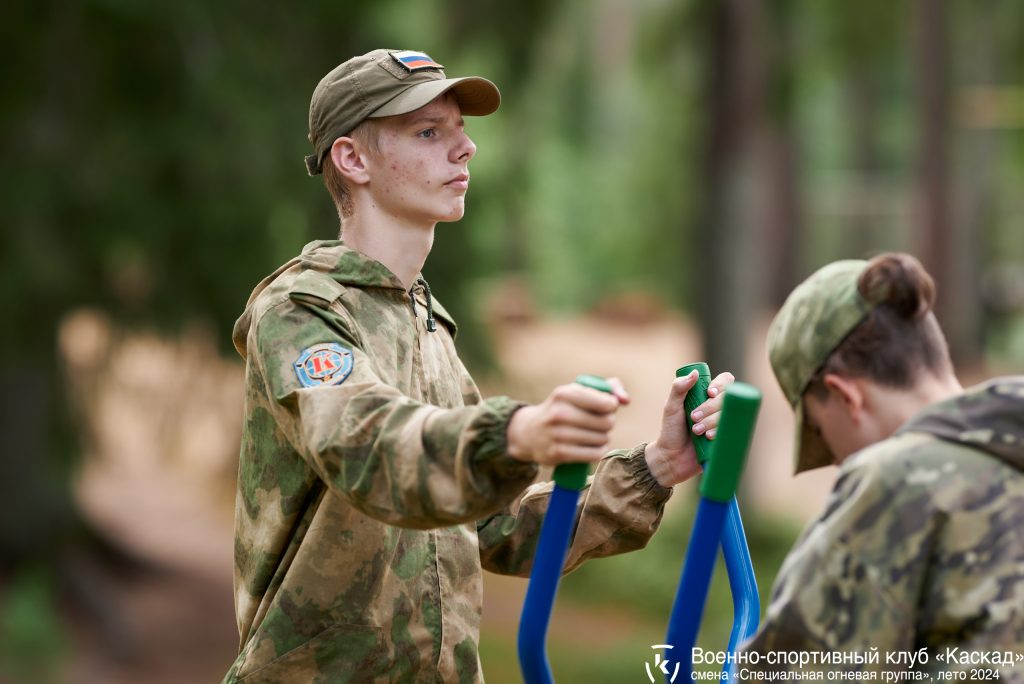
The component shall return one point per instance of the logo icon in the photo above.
(661, 664)
(327, 363)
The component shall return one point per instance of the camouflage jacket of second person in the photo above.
(374, 484)
(921, 546)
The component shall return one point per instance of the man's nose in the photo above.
(465, 149)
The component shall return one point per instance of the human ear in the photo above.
(848, 392)
(346, 157)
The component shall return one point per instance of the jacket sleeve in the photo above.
(853, 580)
(397, 460)
(618, 511)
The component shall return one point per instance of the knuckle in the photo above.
(562, 392)
(556, 416)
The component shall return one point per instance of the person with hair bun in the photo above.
(921, 543)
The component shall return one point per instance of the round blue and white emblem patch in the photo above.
(327, 363)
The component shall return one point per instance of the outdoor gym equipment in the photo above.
(555, 536)
(717, 522)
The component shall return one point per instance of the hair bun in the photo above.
(898, 280)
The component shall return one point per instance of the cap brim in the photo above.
(810, 450)
(476, 97)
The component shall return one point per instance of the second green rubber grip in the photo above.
(732, 442)
(697, 395)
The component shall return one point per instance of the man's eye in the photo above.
(428, 133)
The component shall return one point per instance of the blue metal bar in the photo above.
(742, 583)
(692, 594)
(548, 562)
(718, 524)
(549, 559)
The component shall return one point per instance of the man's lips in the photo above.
(460, 182)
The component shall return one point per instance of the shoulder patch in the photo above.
(327, 363)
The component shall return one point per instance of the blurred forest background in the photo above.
(660, 174)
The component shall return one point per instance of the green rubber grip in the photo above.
(574, 475)
(697, 395)
(735, 431)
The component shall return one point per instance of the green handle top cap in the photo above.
(697, 395)
(735, 430)
(574, 475)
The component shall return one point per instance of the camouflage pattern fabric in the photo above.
(921, 545)
(370, 500)
(816, 317)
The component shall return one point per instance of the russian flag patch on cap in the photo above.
(415, 60)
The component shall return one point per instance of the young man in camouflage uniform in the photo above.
(921, 544)
(375, 483)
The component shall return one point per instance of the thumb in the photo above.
(682, 386)
(619, 390)
(677, 393)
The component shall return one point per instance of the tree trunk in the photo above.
(33, 475)
(724, 252)
(783, 220)
(862, 227)
(965, 326)
(933, 219)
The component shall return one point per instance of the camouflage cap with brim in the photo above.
(816, 317)
(385, 83)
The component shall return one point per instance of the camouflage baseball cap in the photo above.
(385, 83)
(816, 318)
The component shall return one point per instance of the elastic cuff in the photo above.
(642, 476)
(493, 426)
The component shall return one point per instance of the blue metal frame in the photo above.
(555, 536)
(746, 602)
(692, 594)
(717, 523)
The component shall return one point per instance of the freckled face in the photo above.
(421, 174)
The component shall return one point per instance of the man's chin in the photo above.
(453, 216)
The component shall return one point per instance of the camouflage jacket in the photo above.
(921, 545)
(374, 484)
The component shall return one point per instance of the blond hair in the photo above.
(367, 136)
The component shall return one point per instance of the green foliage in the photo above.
(33, 642)
(159, 148)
